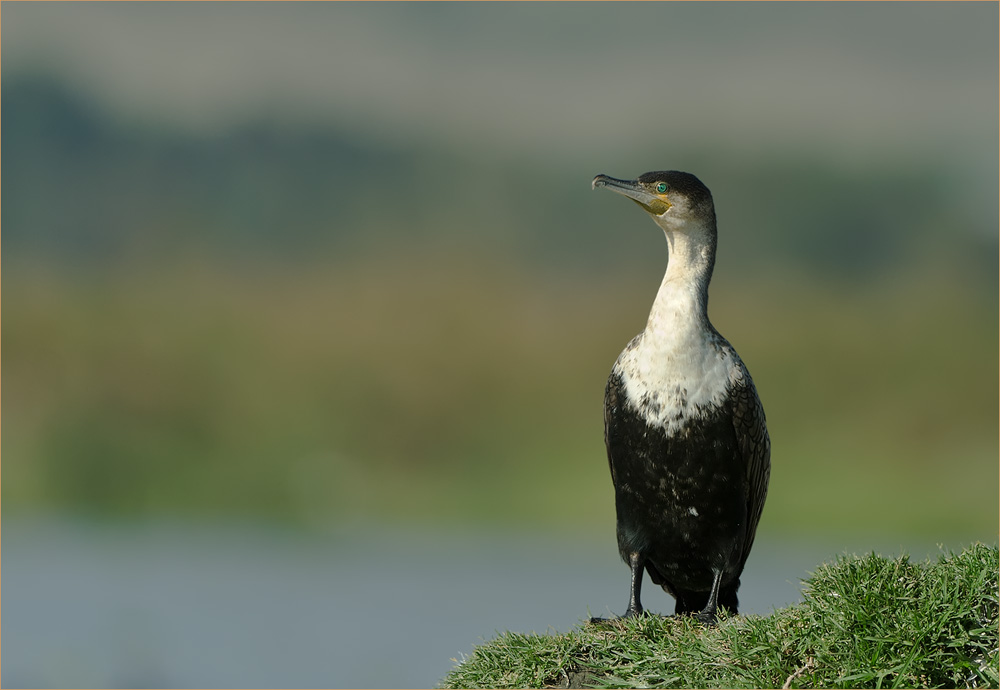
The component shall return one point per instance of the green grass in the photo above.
(865, 622)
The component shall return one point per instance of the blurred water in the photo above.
(173, 604)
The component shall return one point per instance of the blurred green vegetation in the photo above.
(297, 324)
(423, 385)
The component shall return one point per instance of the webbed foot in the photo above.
(706, 617)
(629, 613)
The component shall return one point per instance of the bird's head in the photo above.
(675, 200)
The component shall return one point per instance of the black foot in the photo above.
(709, 618)
(630, 613)
(708, 615)
(634, 612)
(600, 621)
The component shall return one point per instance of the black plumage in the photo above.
(685, 430)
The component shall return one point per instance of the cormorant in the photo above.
(685, 432)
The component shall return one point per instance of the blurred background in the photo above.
(308, 311)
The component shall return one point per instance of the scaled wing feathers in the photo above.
(755, 446)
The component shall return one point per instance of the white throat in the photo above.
(679, 365)
(682, 300)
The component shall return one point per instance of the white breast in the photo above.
(670, 377)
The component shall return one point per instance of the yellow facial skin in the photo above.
(657, 206)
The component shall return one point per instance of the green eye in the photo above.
(661, 187)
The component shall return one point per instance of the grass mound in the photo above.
(865, 622)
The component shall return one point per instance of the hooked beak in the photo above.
(634, 191)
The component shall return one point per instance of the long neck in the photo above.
(682, 301)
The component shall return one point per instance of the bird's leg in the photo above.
(635, 562)
(709, 614)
